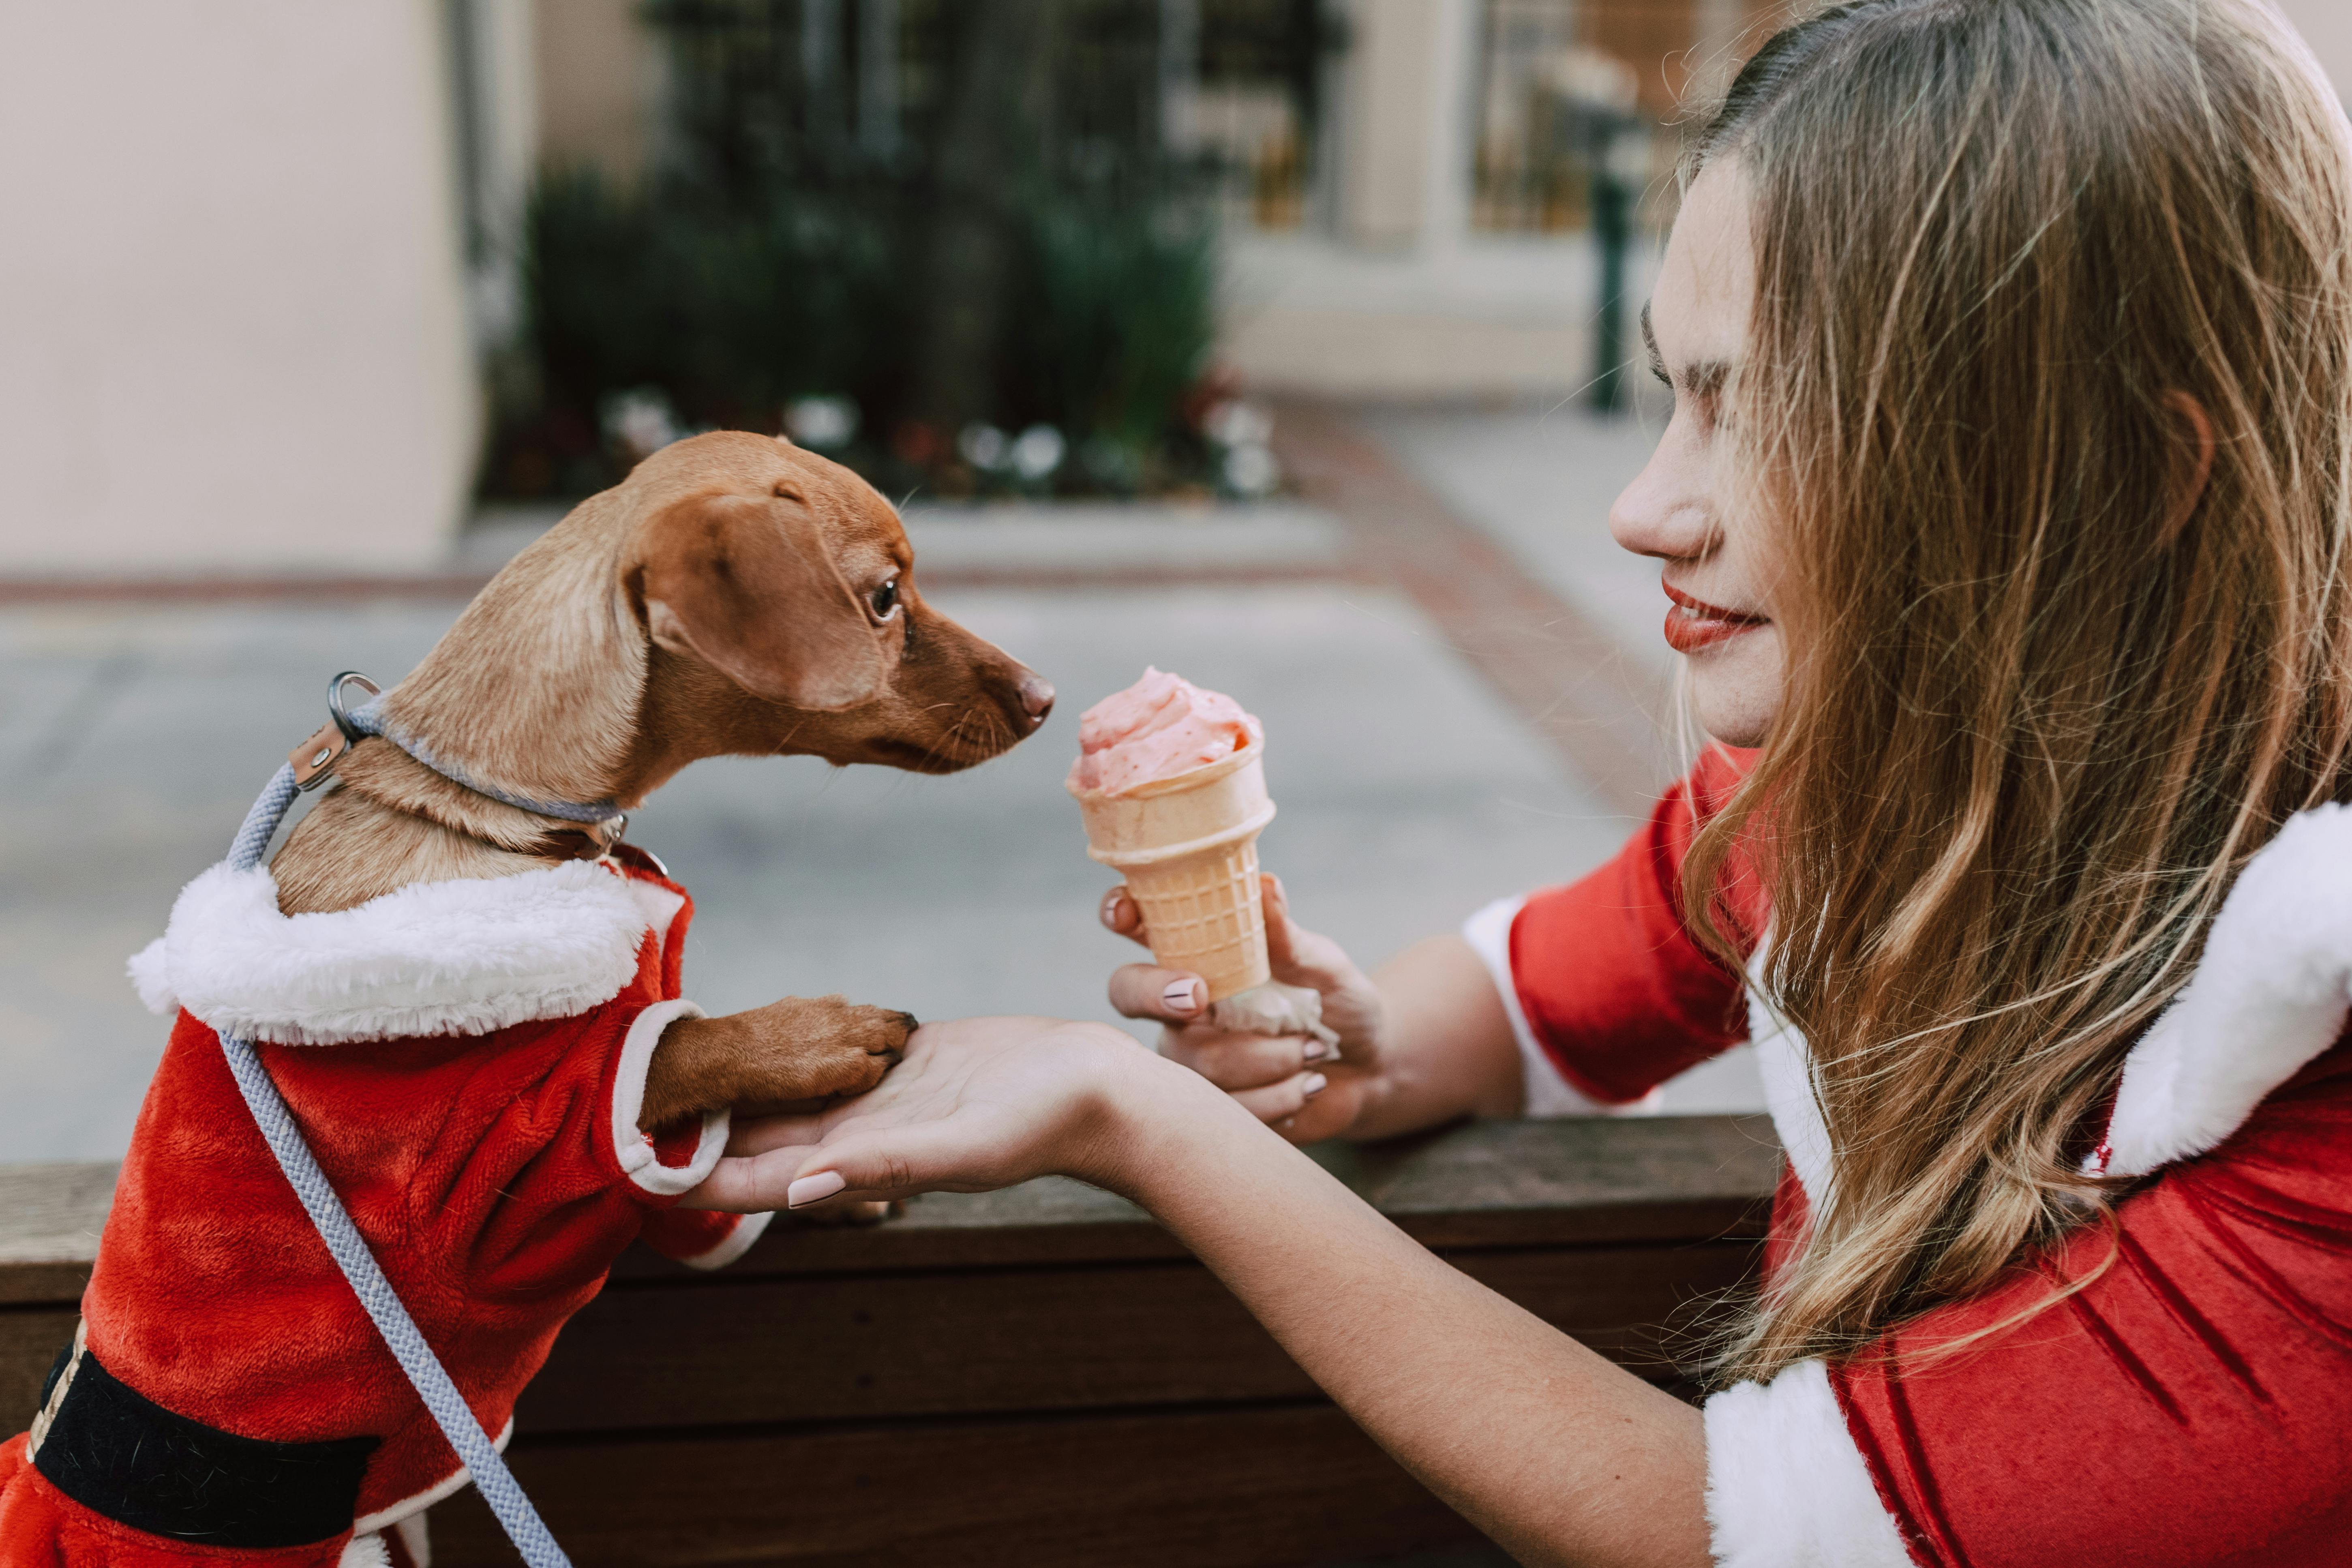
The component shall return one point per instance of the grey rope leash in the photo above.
(401, 1336)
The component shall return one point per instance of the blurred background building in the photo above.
(290, 285)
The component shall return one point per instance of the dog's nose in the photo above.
(1036, 697)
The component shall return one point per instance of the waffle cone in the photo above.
(1187, 847)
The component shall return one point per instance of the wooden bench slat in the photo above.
(854, 1349)
(1226, 1489)
(1505, 1184)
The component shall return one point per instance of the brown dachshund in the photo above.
(485, 1046)
(735, 596)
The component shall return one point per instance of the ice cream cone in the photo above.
(1187, 847)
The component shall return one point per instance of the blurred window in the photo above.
(1560, 80)
(1254, 111)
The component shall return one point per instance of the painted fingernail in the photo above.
(1316, 1051)
(1183, 996)
(1314, 1085)
(813, 1189)
(1110, 907)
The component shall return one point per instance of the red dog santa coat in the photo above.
(2189, 1405)
(466, 1059)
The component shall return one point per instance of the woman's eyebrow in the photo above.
(1704, 379)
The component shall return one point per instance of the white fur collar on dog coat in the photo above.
(465, 957)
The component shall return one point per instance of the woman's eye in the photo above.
(884, 599)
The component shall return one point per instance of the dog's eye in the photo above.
(884, 599)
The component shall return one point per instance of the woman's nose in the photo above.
(1666, 512)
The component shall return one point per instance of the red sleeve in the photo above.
(2189, 1405)
(1614, 987)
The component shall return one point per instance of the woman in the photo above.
(2004, 509)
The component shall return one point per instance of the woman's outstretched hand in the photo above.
(977, 1104)
(1305, 1089)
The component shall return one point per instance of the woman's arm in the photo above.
(1557, 1454)
(1561, 1456)
(1424, 1040)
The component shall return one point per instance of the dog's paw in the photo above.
(878, 1033)
(827, 1048)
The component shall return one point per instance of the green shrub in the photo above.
(768, 261)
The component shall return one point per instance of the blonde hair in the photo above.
(2046, 695)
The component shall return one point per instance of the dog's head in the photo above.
(778, 591)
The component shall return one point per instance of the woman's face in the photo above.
(1688, 508)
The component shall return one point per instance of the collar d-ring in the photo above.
(351, 732)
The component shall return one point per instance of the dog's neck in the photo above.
(535, 691)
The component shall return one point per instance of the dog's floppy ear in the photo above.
(747, 586)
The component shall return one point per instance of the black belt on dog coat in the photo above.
(120, 1454)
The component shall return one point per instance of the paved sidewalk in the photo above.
(132, 737)
(1541, 480)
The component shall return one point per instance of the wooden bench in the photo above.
(1036, 1377)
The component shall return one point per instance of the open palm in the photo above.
(977, 1104)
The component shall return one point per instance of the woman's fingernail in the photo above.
(1110, 907)
(1281, 893)
(1316, 1051)
(1314, 1085)
(1184, 995)
(813, 1189)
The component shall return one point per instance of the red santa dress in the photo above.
(468, 1060)
(2191, 1406)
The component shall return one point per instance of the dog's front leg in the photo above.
(795, 1051)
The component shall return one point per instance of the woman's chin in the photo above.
(1734, 689)
(1740, 729)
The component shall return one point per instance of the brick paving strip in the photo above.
(1566, 677)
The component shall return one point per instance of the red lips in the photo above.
(1694, 624)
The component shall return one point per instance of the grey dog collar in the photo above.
(314, 760)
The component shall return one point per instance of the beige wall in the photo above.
(1403, 89)
(2327, 23)
(230, 291)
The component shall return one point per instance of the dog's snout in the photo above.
(1036, 697)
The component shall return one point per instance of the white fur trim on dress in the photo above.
(465, 957)
(1786, 1066)
(747, 1228)
(2270, 993)
(1550, 1095)
(1786, 1488)
(630, 1144)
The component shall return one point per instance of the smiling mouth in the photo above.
(1694, 624)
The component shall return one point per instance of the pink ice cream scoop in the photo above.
(1161, 726)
